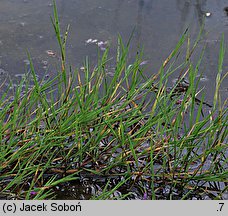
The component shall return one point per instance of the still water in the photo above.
(25, 25)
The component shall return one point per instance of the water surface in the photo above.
(25, 25)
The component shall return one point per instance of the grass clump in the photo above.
(123, 137)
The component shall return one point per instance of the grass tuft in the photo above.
(131, 135)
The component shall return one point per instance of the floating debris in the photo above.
(204, 79)
(44, 62)
(51, 53)
(143, 63)
(207, 14)
(101, 44)
(89, 40)
(94, 41)
(22, 24)
(26, 61)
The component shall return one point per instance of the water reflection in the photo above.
(144, 6)
(200, 10)
(185, 9)
(117, 13)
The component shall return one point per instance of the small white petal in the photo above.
(89, 40)
(100, 43)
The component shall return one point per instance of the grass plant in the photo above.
(131, 135)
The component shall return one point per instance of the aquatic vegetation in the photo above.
(86, 135)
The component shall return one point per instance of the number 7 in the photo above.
(222, 204)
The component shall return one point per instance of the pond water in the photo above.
(25, 25)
